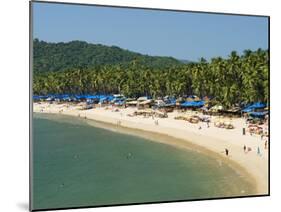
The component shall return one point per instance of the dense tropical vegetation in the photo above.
(236, 79)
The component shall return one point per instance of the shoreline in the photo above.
(186, 136)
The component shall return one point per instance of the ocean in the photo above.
(77, 163)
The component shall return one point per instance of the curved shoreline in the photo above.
(248, 166)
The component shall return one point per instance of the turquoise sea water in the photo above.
(76, 164)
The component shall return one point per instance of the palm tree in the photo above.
(233, 80)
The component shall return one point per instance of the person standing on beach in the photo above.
(258, 151)
(226, 152)
(244, 148)
(156, 122)
(265, 144)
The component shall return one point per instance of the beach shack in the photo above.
(118, 100)
(131, 102)
(255, 113)
(215, 110)
(170, 104)
(144, 102)
(231, 112)
(159, 103)
(167, 107)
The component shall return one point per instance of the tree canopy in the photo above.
(230, 81)
(79, 54)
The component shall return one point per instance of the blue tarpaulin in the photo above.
(69, 97)
(257, 105)
(170, 101)
(35, 97)
(105, 98)
(193, 104)
(252, 107)
(258, 114)
(247, 110)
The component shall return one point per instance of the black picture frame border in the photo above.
(128, 7)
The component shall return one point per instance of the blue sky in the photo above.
(183, 35)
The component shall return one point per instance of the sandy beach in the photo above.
(211, 138)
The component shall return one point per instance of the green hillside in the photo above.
(79, 54)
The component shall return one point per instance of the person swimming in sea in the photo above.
(129, 155)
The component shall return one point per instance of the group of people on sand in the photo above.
(249, 149)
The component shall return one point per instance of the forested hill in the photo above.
(83, 55)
